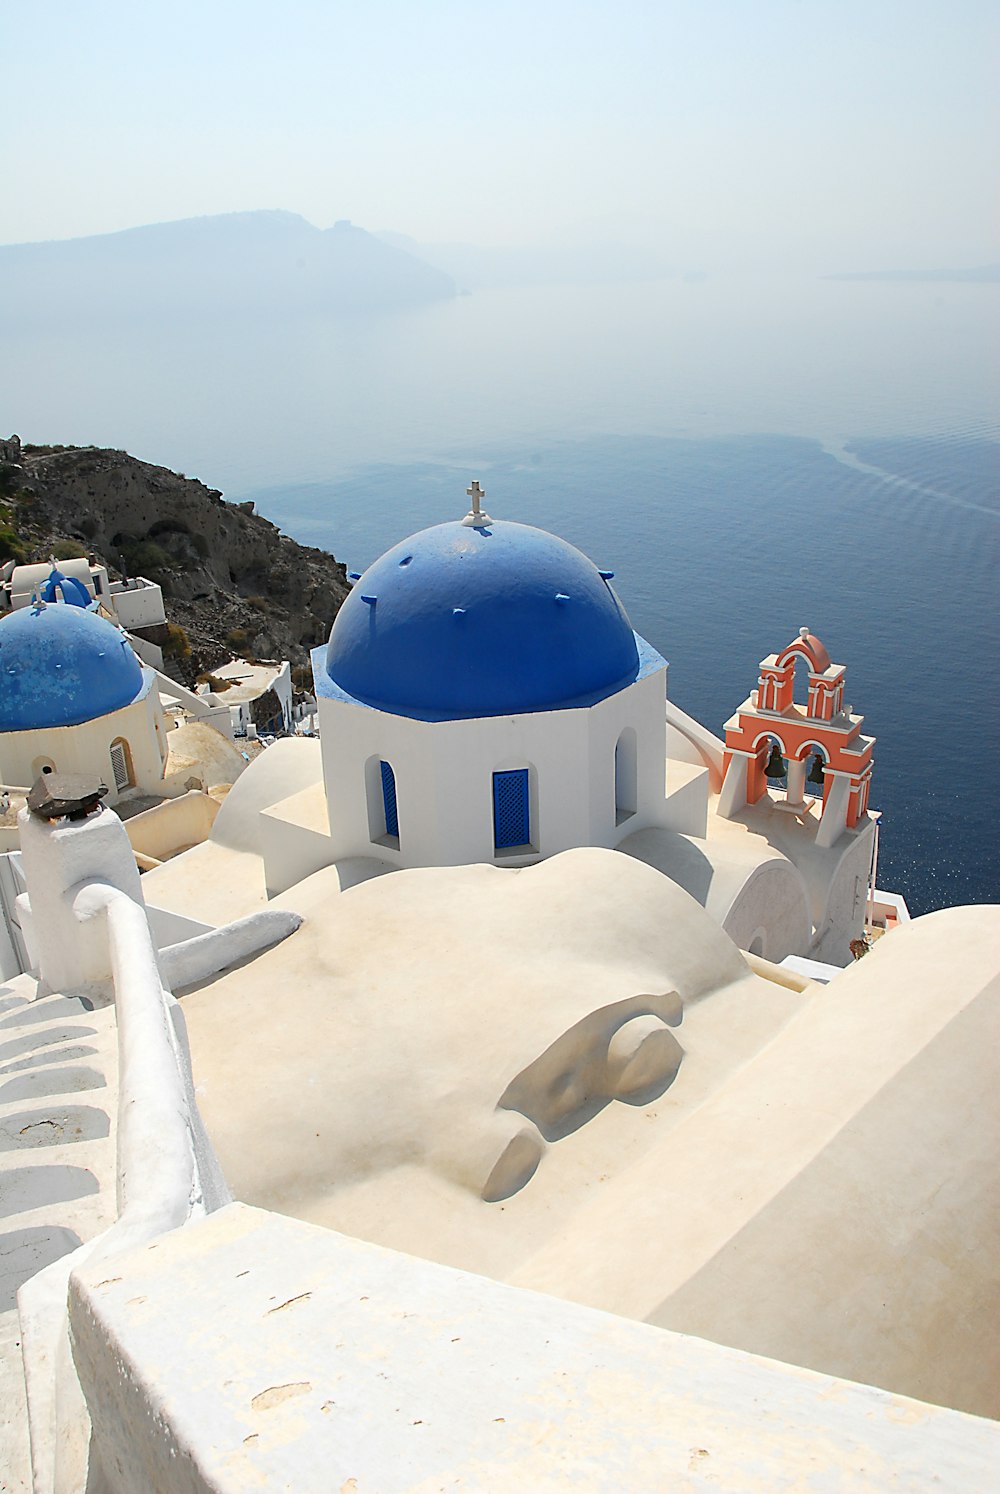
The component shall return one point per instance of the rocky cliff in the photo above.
(230, 579)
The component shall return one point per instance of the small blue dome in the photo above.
(65, 588)
(60, 665)
(460, 622)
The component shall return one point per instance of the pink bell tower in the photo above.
(822, 728)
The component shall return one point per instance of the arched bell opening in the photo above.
(800, 680)
(775, 763)
(766, 768)
(817, 761)
(784, 773)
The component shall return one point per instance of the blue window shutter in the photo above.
(511, 814)
(389, 799)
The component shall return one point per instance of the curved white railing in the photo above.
(166, 1171)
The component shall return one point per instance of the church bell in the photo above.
(775, 764)
(815, 774)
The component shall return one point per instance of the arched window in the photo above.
(121, 765)
(512, 810)
(626, 776)
(380, 793)
(389, 799)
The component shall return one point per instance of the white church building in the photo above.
(424, 1124)
(483, 697)
(77, 699)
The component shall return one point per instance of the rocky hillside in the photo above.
(230, 579)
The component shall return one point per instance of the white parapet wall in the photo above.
(254, 1351)
(89, 924)
(137, 603)
(91, 928)
(173, 826)
(201, 707)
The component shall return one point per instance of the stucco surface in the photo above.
(747, 886)
(835, 1202)
(223, 878)
(209, 882)
(408, 1006)
(897, 1217)
(317, 1363)
(195, 747)
(57, 1150)
(287, 767)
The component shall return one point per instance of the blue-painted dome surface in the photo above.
(65, 588)
(60, 665)
(460, 622)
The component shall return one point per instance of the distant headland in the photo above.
(265, 262)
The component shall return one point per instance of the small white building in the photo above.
(136, 602)
(76, 699)
(258, 694)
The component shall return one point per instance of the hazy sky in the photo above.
(827, 133)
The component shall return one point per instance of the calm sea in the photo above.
(747, 456)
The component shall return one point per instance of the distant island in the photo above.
(978, 275)
(265, 262)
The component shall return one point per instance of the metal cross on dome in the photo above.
(476, 518)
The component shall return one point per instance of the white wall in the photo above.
(477, 1385)
(769, 914)
(27, 579)
(138, 604)
(176, 824)
(842, 916)
(282, 688)
(86, 748)
(444, 777)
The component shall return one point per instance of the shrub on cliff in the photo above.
(10, 546)
(177, 645)
(67, 549)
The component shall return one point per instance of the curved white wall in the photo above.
(86, 748)
(769, 915)
(444, 777)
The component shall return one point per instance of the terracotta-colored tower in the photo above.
(823, 728)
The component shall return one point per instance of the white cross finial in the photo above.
(476, 518)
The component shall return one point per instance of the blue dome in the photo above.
(65, 588)
(60, 665)
(460, 622)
